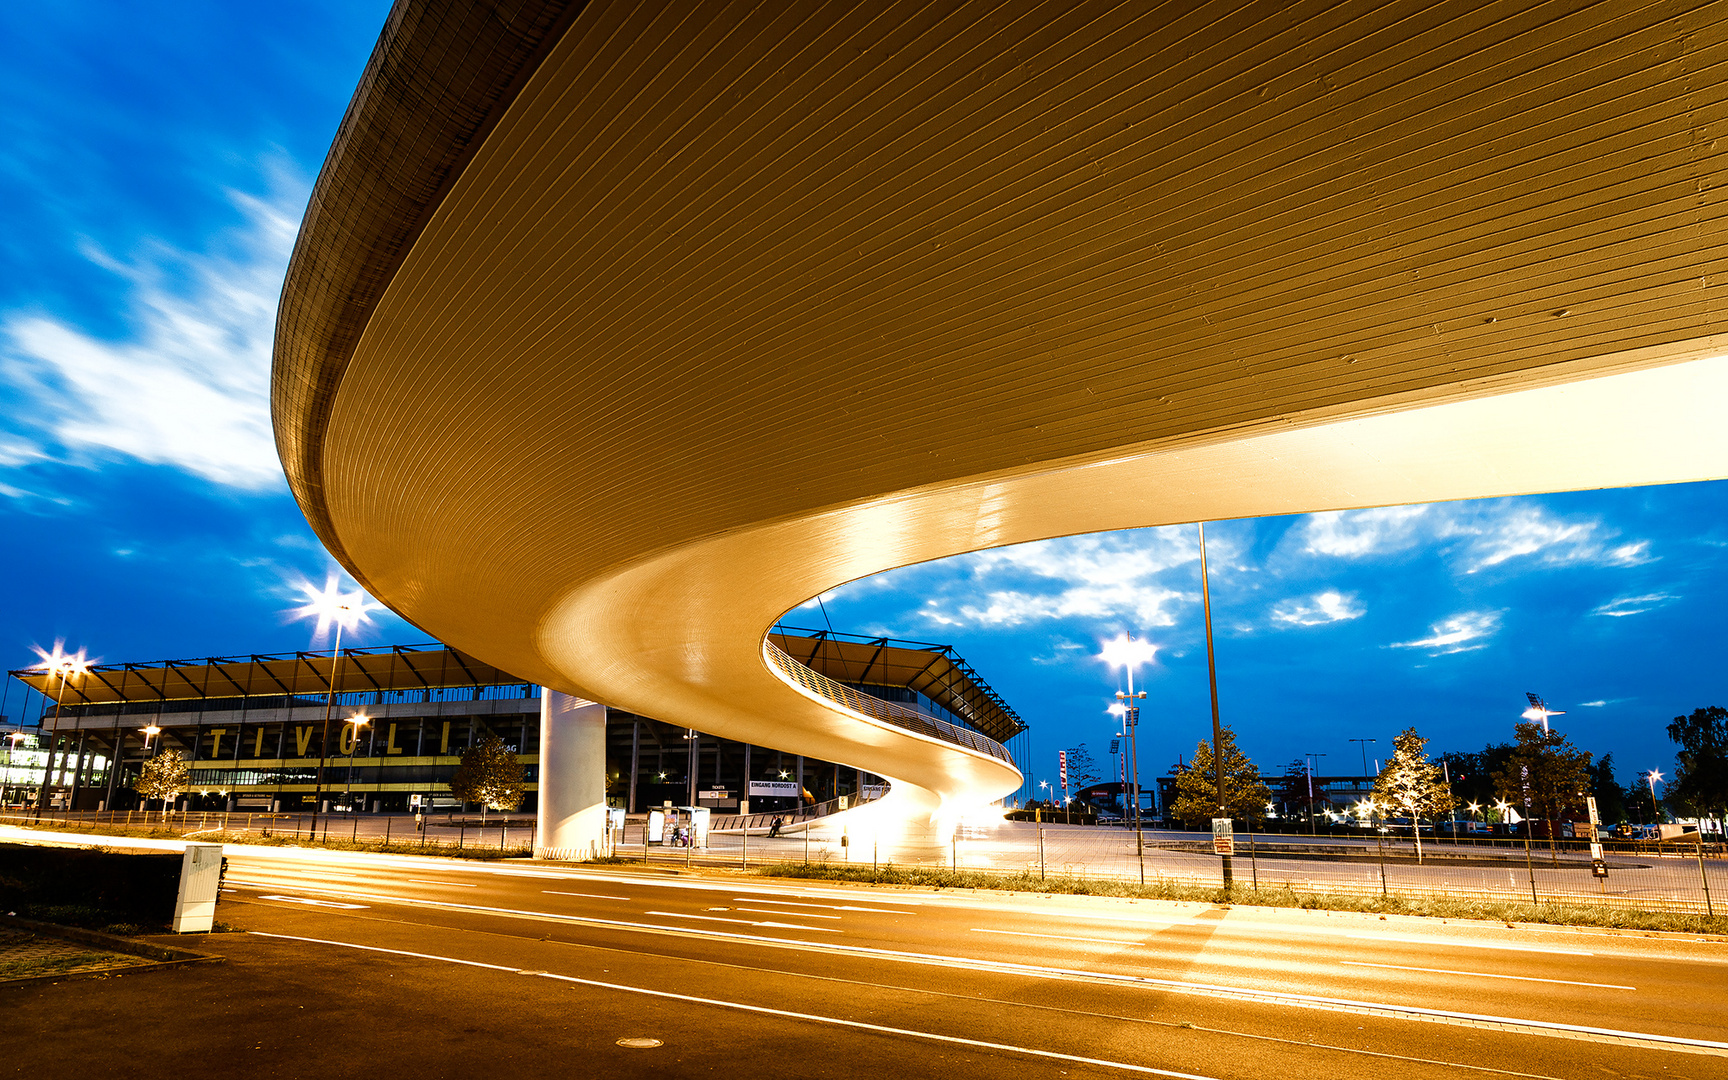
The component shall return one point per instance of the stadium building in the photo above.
(255, 727)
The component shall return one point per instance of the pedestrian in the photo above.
(774, 826)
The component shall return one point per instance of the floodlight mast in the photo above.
(1539, 710)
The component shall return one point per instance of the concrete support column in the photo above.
(572, 818)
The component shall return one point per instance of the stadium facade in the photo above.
(254, 729)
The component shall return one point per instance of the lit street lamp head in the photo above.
(1124, 651)
(330, 605)
(62, 663)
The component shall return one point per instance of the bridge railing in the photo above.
(885, 711)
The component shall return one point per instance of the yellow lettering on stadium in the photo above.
(390, 746)
(444, 743)
(216, 734)
(302, 739)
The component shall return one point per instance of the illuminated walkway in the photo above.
(612, 335)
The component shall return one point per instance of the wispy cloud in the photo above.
(1460, 633)
(1355, 533)
(1530, 532)
(1323, 607)
(1633, 605)
(190, 387)
(1088, 578)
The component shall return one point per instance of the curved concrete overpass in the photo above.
(614, 331)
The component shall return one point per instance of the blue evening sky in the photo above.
(154, 163)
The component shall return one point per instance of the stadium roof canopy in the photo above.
(614, 331)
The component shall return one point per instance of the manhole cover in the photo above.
(639, 1044)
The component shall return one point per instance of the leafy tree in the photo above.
(490, 774)
(1610, 797)
(1412, 784)
(1546, 774)
(163, 777)
(1701, 770)
(1197, 787)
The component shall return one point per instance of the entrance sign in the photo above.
(1223, 836)
(774, 789)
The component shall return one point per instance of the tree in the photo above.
(490, 774)
(1411, 783)
(1701, 766)
(1082, 770)
(1197, 787)
(1545, 775)
(163, 777)
(1610, 797)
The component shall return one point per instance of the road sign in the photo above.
(1223, 836)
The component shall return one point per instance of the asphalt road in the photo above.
(437, 967)
(1058, 978)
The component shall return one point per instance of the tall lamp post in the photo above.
(1313, 760)
(1655, 808)
(150, 732)
(65, 665)
(358, 720)
(1212, 681)
(346, 611)
(1124, 652)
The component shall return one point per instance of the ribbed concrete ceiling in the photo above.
(720, 305)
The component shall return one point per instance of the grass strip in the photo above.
(1440, 907)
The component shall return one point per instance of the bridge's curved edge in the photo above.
(438, 79)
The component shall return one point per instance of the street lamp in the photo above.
(359, 720)
(1652, 776)
(65, 665)
(150, 732)
(1124, 652)
(346, 611)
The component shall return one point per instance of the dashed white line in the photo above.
(588, 895)
(1487, 975)
(1056, 937)
(457, 884)
(798, 914)
(745, 922)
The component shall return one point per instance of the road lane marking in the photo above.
(762, 1010)
(795, 914)
(1412, 939)
(1055, 937)
(745, 922)
(1218, 990)
(314, 903)
(589, 895)
(457, 884)
(825, 907)
(1488, 975)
